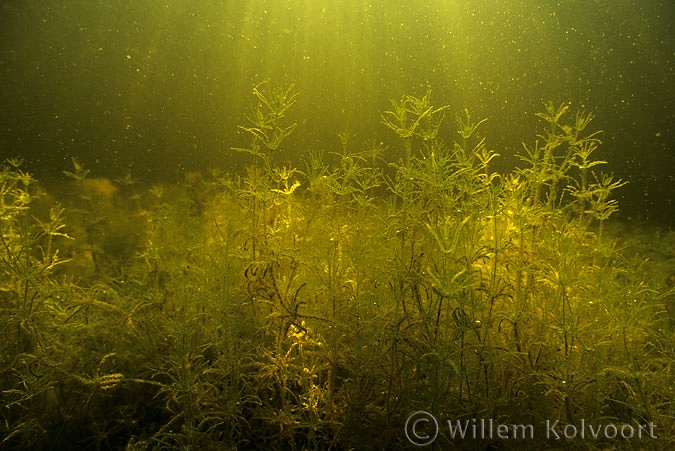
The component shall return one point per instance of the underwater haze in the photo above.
(335, 226)
(159, 88)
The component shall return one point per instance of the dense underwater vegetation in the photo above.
(312, 305)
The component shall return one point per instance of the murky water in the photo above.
(300, 225)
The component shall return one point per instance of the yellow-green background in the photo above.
(159, 87)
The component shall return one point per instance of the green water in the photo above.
(292, 225)
(160, 88)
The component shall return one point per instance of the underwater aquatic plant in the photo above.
(415, 116)
(28, 258)
(267, 131)
(266, 125)
(316, 309)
